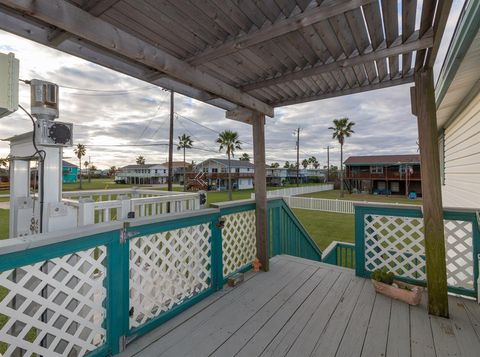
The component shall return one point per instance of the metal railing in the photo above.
(391, 237)
(97, 288)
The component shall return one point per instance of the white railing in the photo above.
(321, 204)
(285, 192)
(100, 206)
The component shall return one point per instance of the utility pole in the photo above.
(328, 163)
(170, 145)
(298, 154)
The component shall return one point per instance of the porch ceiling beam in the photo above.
(240, 114)
(82, 24)
(277, 29)
(27, 27)
(414, 43)
(386, 84)
(95, 8)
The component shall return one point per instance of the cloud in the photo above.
(123, 111)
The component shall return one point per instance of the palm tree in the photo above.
(275, 165)
(287, 165)
(184, 142)
(305, 163)
(228, 140)
(245, 157)
(89, 170)
(140, 160)
(80, 152)
(342, 129)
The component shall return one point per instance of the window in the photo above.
(376, 169)
(205, 169)
(214, 170)
(237, 170)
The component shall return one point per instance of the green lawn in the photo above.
(4, 218)
(335, 194)
(325, 227)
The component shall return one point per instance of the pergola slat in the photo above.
(409, 8)
(375, 30)
(390, 19)
(424, 42)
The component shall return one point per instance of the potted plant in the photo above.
(385, 284)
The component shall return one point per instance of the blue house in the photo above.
(70, 172)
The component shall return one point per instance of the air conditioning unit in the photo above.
(53, 133)
(9, 67)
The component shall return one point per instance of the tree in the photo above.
(287, 165)
(275, 165)
(245, 157)
(342, 128)
(316, 164)
(80, 152)
(3, 162)
(140, 160)
(112, 171)
(305, 163)
(228, 140)
(184, 142)
(89, 170)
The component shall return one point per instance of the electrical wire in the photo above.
(42, 167)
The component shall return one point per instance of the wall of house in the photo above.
(460, 151)
(70, 174)
(245, 183)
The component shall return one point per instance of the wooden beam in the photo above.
(439, 25)
(413, 100)
(96, 8)
(413, 44)
(27, 27)
(258, 125)
(339, 93)
(240, 114)
(431, 194)
(80, 23)
(277, 29)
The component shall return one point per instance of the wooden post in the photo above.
(432, 194)
(258, 124)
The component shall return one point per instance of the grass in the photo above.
(4, 218)
(335, 194)
(325, 227)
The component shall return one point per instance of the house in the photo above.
(279, 176)
(216, 173)
(458, 113)
(150, 173)
(70, 172)
(385, 174)
(142, 174)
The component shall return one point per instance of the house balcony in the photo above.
(389, 175)
(156, 287)
(222, 175)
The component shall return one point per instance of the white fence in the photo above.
(101, 206)
(285, 192)
(321, 204)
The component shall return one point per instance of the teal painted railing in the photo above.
(391, 237)
(98, 288)
(341, 254)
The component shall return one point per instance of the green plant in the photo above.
(383, 276)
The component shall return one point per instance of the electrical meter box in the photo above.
(9, 71)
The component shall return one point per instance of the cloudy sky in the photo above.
(111, 112)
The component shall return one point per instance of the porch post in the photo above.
(258, 124)
(432, 193)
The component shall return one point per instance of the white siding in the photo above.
(462, 159)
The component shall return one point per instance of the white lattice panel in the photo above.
(395, 243)
(238, 241)
(55, 307)
(167, 268)
(459, 254)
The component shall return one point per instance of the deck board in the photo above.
(305, 308)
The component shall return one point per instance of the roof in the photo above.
(383, 159)
(68, 164)
(459, 79)
(176, 164)
(145, 166)
(251, 54)
(233, 163)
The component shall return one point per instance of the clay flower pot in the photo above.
(411, 294)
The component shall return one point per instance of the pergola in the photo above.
(250, 56)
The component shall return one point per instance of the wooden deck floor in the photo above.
(304, 308)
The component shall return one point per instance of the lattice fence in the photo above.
(54, 307)
(167, 268)
(459, 253)
(238, 241)
(397, 243)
